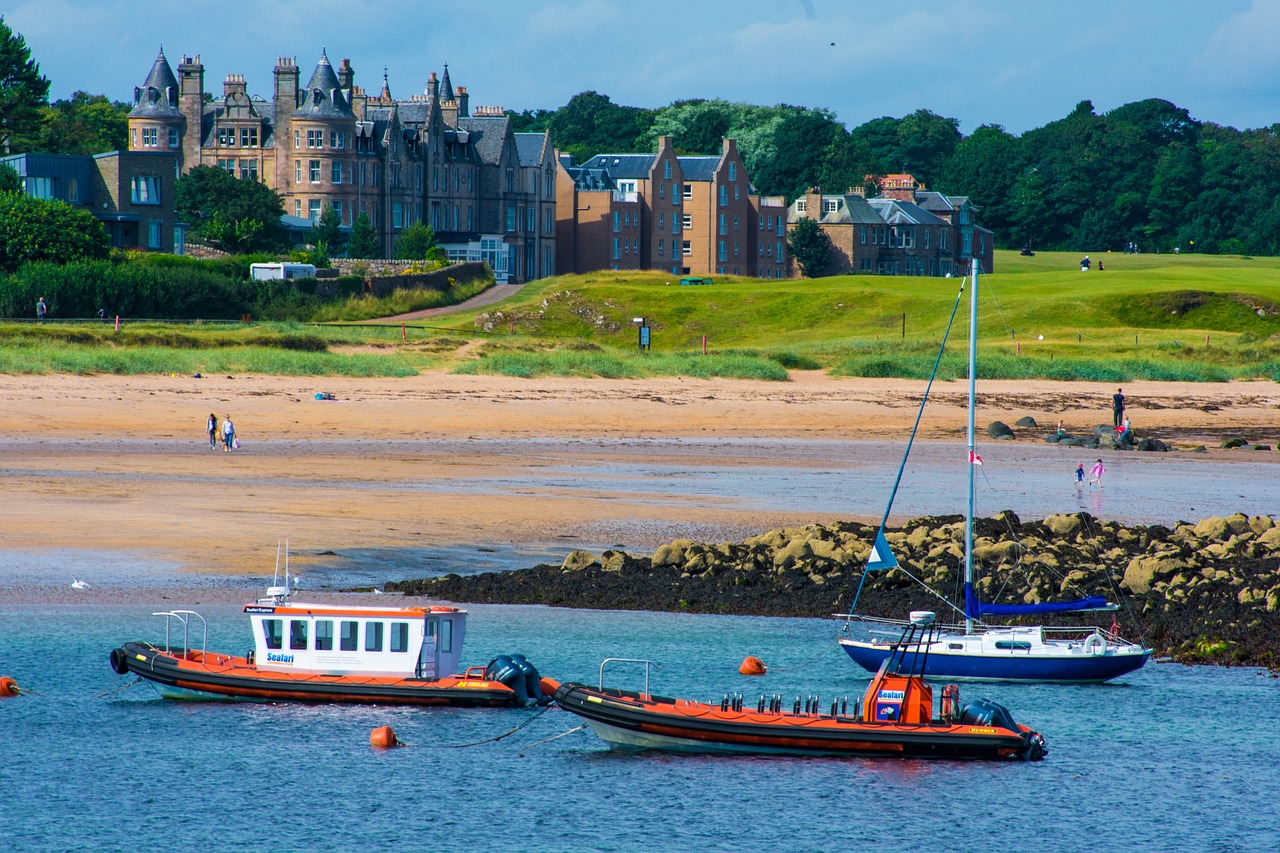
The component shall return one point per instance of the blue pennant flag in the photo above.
(881, 556)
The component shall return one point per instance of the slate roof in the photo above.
(158, 96)
(701, 168)
(898, 212)
(323, 96)
(487, 134)
(585, 179)
(854, 211)
(623, 166)
(529, 148)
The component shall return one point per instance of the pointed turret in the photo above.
(446, 86)
(158, 96)
(323, 97)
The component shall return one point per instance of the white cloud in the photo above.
(1245, 45)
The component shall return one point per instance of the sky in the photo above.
(1016, 63)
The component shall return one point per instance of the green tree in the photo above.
(328, 231)
(10, 180)
(415, 241)
(926, 140)
(695, 127)
(242, 214)
(23, 91)
(84, 124)
(33, 229)
(591, 124)
(364, 242)
(810, 247)
(985, 167)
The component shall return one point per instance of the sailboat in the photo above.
(975, 650)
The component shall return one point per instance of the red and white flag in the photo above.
(974, 459)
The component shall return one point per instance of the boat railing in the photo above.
(184, 616)
(894, 627)
(647, 665)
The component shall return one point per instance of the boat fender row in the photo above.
(731, 703)
(119, 661)
(521, 676)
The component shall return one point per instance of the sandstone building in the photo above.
(488, 192)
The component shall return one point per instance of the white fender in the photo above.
(1095, 644)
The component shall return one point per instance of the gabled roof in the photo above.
(158, 96)
(585, 179)
(930, 200)
(854, 210)
(487, 134)
(529, 148)
(903, 212)
(623, 166)
(323, 97)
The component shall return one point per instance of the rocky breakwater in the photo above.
(1207, 592)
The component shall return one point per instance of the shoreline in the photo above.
(438, 461)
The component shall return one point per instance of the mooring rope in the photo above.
(499, 737)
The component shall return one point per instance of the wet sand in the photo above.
(401, 475)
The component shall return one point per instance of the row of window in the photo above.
(227, 137)
(315, 139)
(151, 137)
(378, 635)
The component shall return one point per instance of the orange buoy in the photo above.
(752, 665)
(383, 737)
(548, 686)
(8, 687)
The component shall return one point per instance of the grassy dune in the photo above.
(1185, 317)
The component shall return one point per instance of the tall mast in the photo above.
(973, 379)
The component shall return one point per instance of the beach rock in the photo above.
(576, 561)
(1063, 525)
(999, 430)
(1213, 529)
(1027, 421)
(673, 553)
(1233, 442)
(1152, 444)
(614, 561)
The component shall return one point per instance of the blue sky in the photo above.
(1019, 64)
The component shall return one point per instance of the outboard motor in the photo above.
(532, 680)
(984, 712)
(504, 670)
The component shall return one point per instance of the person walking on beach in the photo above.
(212, 426)
(42, 310)
(1095, 474)
(1080, 479)
(229, 434)
(1117, 406)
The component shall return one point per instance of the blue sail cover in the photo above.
(975, 609)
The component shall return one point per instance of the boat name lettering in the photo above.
(480, 684)
(975, 731)
(891, 695)
(254, 609)
(279, 658)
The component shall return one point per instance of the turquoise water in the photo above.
(1174, 758)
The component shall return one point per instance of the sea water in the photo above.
(1170, 758)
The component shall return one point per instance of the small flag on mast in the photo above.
(974, 459)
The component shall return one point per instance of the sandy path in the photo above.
(121, 463)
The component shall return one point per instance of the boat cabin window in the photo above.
(956, 646)
(373, 636)
(324, 635)
(273, 632)
(350, 636)
(399, 636)
(446, 635)
(1016, 645)
(297, 633)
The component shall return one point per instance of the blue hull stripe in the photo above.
(1080, 668)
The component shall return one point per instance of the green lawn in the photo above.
(1190, 317)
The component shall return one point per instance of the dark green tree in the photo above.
(328, 231)
(10, 180)
(415, 241)
(364, 242)
(84, 124)
(985, 167)
(926, 140)
(592, 124)
(810, 247)
(242, 214)
(695, 127)
(23, 91)
(783, 154)
(33, 229)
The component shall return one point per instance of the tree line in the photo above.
(1145, 174)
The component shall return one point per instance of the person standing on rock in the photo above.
(1095, 474)
(1117, 407)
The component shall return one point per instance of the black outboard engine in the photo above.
(984, 712)
(521, 676)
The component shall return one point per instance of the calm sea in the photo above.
(1174, 758)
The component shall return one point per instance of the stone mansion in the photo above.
(488, 192)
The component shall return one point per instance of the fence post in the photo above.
(1018, 348)
(117, 322)
(904, 325)
(404, 334)
(704, 344)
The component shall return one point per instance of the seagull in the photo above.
(80, 585)
(377, 591)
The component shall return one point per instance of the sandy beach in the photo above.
(123, 464)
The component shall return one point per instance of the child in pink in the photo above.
(1095, 474)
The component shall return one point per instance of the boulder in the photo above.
(1153, 444)
(672, 554)
(1143, 570)
(1062, 525)
(578, 560)
(1027, 421)
(614, 561)
(1000, 430)
(1215, 529)
(1233, 442)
